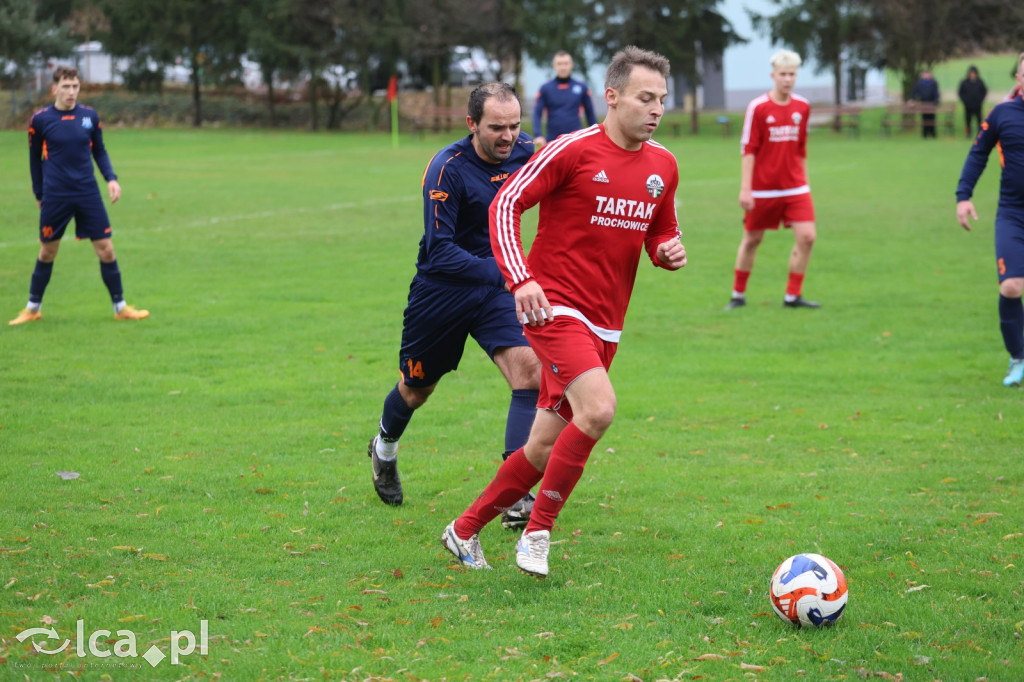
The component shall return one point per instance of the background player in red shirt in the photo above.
(773, 184)
(605, 193)
(63, 140)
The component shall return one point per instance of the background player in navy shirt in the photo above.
(562, 97)
(458, 290)
(63, 141)
(1004, 127)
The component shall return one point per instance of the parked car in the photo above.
(472, 66)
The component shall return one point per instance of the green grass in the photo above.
(220, 444)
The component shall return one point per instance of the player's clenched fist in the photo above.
(672, 254)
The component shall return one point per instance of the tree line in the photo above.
(373, 38)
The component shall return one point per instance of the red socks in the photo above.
(514, 479)
(565, 467)
(795, 284)
(739, 281)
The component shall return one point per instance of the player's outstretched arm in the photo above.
(672, 254)
(965, 210)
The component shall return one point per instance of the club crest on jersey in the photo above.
(655, 185)
(797, 117)
(87, 123)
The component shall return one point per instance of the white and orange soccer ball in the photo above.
(808, 590)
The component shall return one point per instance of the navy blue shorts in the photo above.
(440, 318)
(1009, 244)
(91, 221)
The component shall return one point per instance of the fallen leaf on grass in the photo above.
(436, 621)
(710, 657)
(784, 505)
(68, 475)
(609, 659)
(865, 673)
(128, 548)
(917, 588)
(751, 667)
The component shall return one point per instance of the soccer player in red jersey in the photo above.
(63, 141)
(605, 192)
(773, 183)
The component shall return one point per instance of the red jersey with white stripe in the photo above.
(600, 205)
(776, 134)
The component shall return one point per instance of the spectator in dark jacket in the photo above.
(972, 94)
(926, 91)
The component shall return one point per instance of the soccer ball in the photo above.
(808, 589)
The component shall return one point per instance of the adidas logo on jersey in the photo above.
(770, 119)
(601, 177)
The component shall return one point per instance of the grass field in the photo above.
(220, 444)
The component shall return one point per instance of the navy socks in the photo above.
(521, 411)
(1011, 322)
(40, 278)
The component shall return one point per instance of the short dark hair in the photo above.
(484, 92)
(62, 72)
(621, 66)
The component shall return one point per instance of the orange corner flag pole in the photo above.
(393, 99)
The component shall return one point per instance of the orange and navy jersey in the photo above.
(564, 99)
(776, 134)
(600, 207)
(62, 146)
(1003, 130)
(458, 187)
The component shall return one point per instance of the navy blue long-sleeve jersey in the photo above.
(1003, 128)
(62, 145)
(562, 98)
(458, 187)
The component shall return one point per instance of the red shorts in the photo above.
(567, 349)
(768, 213)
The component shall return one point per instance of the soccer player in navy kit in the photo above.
(1004, 128)
(562, 97)
(63, 141)
(458, 290)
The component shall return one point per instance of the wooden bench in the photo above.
(905, 116)
(439, 118)
(841, 117)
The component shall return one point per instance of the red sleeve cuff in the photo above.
(516, 286)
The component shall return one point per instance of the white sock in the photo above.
(119, 306)
(34, 307)
(387, 451)
(789, 298)
(738, 294)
